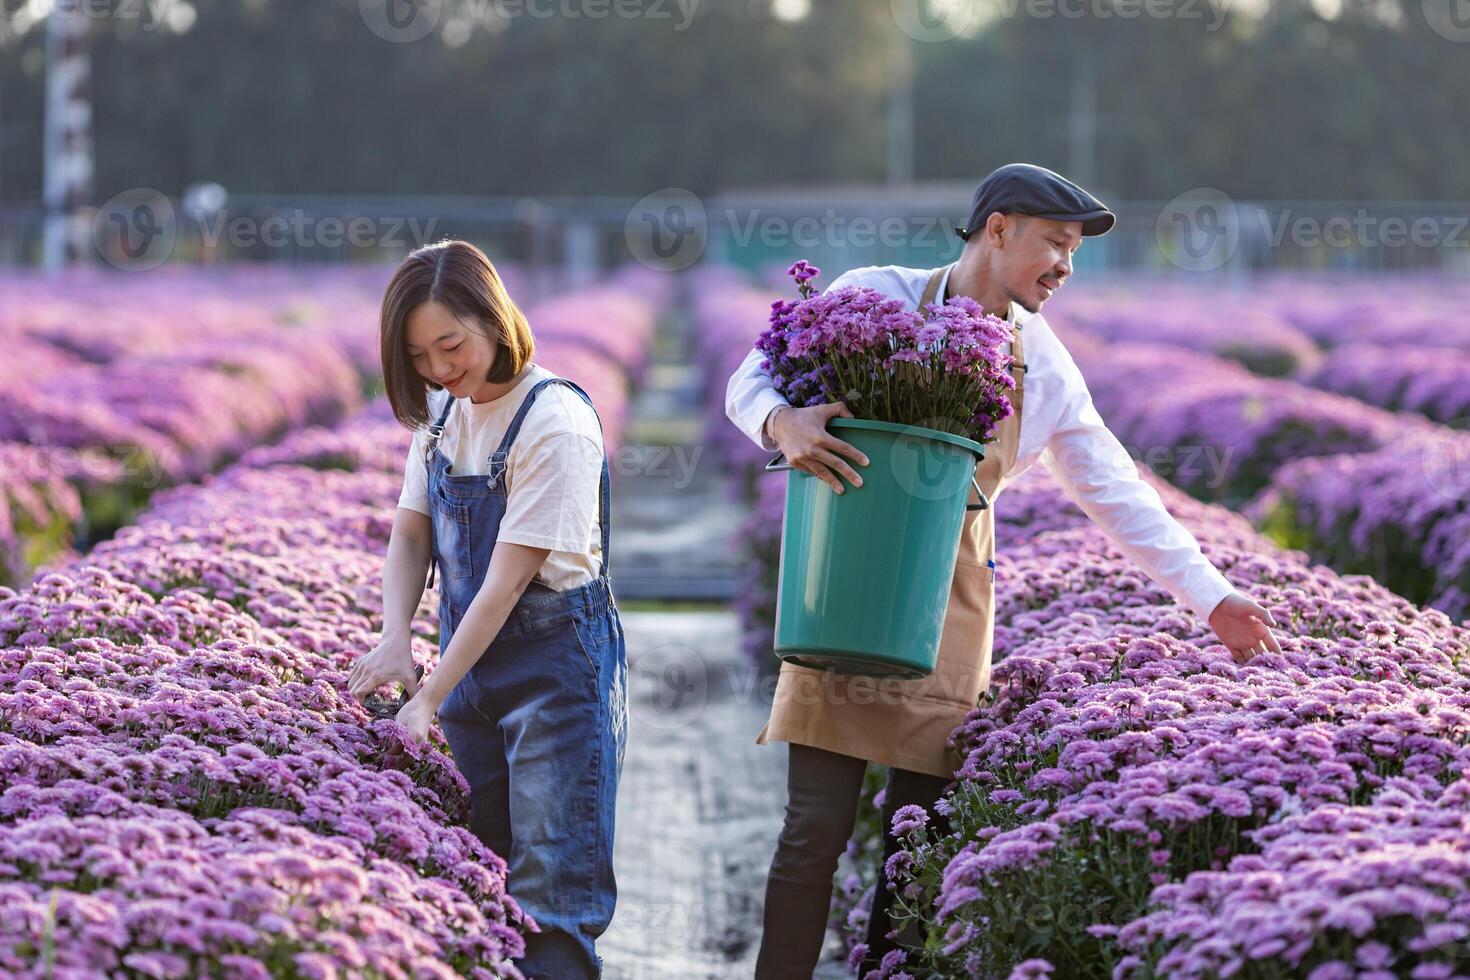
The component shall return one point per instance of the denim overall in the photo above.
(538, 725)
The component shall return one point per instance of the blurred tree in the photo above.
(280, 96)
(299, 96)
(1279, 103)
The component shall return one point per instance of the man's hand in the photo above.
(802, 436)
(1244, 627)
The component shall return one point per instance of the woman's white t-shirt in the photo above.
(553, 471)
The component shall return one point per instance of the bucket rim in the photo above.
(914, 431)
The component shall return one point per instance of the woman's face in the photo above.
(447, 352)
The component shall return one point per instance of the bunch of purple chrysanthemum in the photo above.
(944, 367)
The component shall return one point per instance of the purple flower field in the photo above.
(729, 315)
(1214, 428)
(621, 332)
(1434, 382)
(187, 789)
(1277, 324)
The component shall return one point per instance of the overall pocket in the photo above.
(452, 536)
(594, 636)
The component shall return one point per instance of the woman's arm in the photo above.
(512, 566)
(405, 570)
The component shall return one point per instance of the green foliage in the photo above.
(1390, 555)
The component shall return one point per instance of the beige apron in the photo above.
(906, 723)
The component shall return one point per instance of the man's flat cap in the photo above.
(1023, 188)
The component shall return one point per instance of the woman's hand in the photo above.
(418, 715)
(1244, 627)
(390, 662)
(802, 436)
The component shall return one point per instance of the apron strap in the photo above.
(1019, 368)
(931, 290)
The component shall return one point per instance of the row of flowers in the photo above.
(1434, 382)
(187, 781)
(728, 316)
(1397, 343)
(39, 507)
(187, 785)
(1365, 490)
(613, 319)
(116, 386)
(1400, 514)
(1133, 803)
(1252, 327)
(1217, 430)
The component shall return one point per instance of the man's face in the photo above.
(1035, 257)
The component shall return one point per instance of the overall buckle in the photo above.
(496, 469)
(436, 432)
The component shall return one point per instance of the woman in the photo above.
(506, 493)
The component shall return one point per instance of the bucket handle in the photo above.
(984, 503)
(779, 463)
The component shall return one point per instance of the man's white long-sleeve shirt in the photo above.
(1059, 426)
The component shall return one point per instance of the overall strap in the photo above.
(431, 445)
(498, 459)
(514, 429)
(436, 431)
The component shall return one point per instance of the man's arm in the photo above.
(1098, 475)
(751, 400)
(750, 397)
(1096, 472)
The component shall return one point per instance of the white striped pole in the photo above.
(67, 187)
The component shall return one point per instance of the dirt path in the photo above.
(699, 807)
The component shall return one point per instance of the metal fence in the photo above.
(1203, 235)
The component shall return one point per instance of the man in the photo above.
(1025, 224)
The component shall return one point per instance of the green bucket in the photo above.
(865, 574)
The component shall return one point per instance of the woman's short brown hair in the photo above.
(460, 277)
